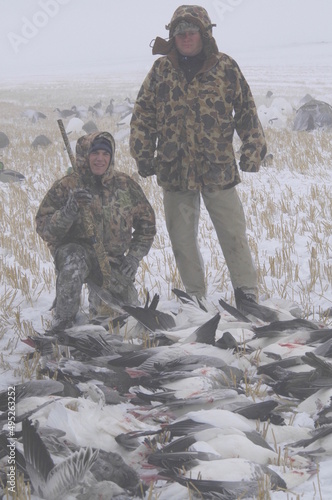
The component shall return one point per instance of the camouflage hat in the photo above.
(193, 14)
(185, 26)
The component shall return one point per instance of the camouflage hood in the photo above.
(192, 14)
(82, 167)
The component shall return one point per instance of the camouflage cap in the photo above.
(185, 26)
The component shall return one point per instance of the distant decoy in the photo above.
(90, 127)
(74, 125)
(80, 111)
(122, 134)
(268, 159)
(283, 105)
(4, 141)
(96, 112)
(110, 107)
(313, 115)
(305, 99)
(120, 109)
(64, 113)
(271, 116)
(33, 115)
(41, 140)
(7, 175)
(125, 119)
(73, 145)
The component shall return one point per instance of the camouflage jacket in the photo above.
(187, 128)
(122, 217)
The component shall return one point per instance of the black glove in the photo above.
(146, 168)
(77, 198)
(129, 266)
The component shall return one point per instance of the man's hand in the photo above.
(129, 266)
(146, 168)
(82, 196)
(77, 199)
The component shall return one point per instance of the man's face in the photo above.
(99, 161)
(189, 43)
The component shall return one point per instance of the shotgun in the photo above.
(67, 144)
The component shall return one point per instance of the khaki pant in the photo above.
(182, 211)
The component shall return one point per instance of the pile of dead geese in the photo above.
(200, 402)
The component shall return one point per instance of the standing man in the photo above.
(182, 128)
(98, 225)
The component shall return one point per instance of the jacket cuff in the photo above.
(249, 167)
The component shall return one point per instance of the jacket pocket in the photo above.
(219, 170)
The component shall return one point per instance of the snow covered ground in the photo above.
(287, 205)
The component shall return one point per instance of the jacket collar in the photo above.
(208, 64)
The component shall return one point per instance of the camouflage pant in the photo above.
(120, 287)
(75, 264)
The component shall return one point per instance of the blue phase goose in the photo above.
(8, 175)
(48, 479)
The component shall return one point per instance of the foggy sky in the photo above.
(84, 36)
